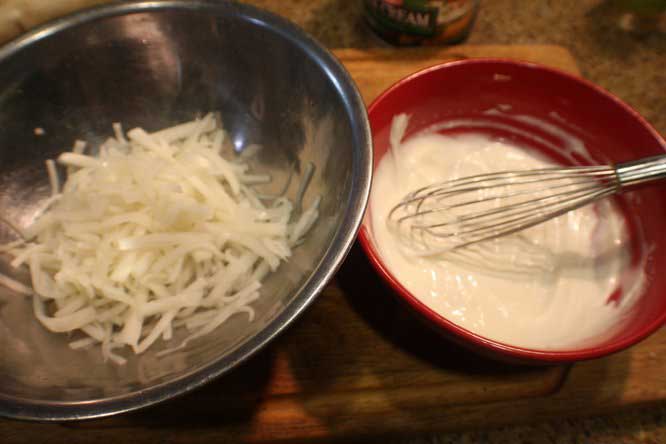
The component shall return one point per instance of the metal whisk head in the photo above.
(457, 213)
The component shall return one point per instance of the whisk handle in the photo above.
(641, 171)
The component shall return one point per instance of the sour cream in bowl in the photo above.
(578, 287)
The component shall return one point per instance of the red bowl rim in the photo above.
(521, 353)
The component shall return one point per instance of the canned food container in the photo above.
(421, 22)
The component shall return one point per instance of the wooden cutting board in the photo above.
(357, 364)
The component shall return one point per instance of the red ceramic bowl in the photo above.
(610, 130)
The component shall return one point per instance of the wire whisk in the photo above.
(457, 213)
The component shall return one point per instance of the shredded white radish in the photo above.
(54, 180)
(157, 232)
(14, 285)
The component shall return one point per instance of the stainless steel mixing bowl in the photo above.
(154, 64)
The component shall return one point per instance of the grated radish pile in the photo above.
(158, 231)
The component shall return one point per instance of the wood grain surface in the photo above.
(359, 364)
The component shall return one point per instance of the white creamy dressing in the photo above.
(547, 288)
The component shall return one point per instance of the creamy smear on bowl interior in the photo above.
(546, 288)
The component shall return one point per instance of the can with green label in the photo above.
(421, 22)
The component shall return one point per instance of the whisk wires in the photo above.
(460, 212)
